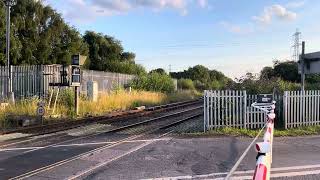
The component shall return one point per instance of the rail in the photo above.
(116, 129)
(68, 124)
(189, 114)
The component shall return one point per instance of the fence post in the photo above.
(285, 109)
(204, 111)
(245, 109)
(211, 108)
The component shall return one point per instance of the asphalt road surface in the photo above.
(165, 157)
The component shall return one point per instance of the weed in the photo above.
(301, 131)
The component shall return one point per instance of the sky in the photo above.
(231, 36)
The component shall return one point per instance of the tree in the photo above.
(39, 35)
(203, 77)
(158, 70)
(106, 54)
(287, 70)
(128, 57)
(267, 73)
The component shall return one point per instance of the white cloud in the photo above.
(180, 5)
(277, 11)
(295, 4)
(78, 11)
(83, 11)
(177, 4)
(112, 5)
(269, 13)
(237, 29)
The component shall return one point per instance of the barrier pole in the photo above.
(264, 156)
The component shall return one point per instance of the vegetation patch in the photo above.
(107, 102)
(301, 131)
(154, 81)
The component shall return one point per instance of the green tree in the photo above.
(128, 57)
(287, 71)
(106, 54)
(39, 35)
(158, 70)
(203, 77)
(267, 73)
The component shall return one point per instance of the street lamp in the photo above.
(8, 4)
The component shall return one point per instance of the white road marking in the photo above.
(274, 173)
(291, 174)
(51, 166)
(84, 144)
(88, 171)
(107, 162)
(295, 167)
(17, 149)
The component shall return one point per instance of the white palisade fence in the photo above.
(301, 108)
(231, 108)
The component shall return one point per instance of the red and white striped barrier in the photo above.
(264, 157)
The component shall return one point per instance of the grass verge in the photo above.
(107, 102)
(301, 131)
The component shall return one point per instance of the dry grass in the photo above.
(23, 107)
(117, 100)
(120, 100)
(183, 96)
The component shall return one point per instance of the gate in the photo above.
(255, 118)
(231, 109)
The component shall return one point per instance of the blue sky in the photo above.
(232, 36)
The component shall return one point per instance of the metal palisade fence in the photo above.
(106, 80)
(28, 81)
(33, 80)
(231, 109)
(301, 108)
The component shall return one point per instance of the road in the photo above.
(160, 155)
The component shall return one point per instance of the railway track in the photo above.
(158, 126)
(117, 119)
(114, 116)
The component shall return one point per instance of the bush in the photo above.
(264, 86)
(125, 67)
(153, 82)
(200, 86)
(65, 102)
(186, 84)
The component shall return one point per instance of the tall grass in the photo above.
(120, 100)
(107, 102)
(25, 107)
